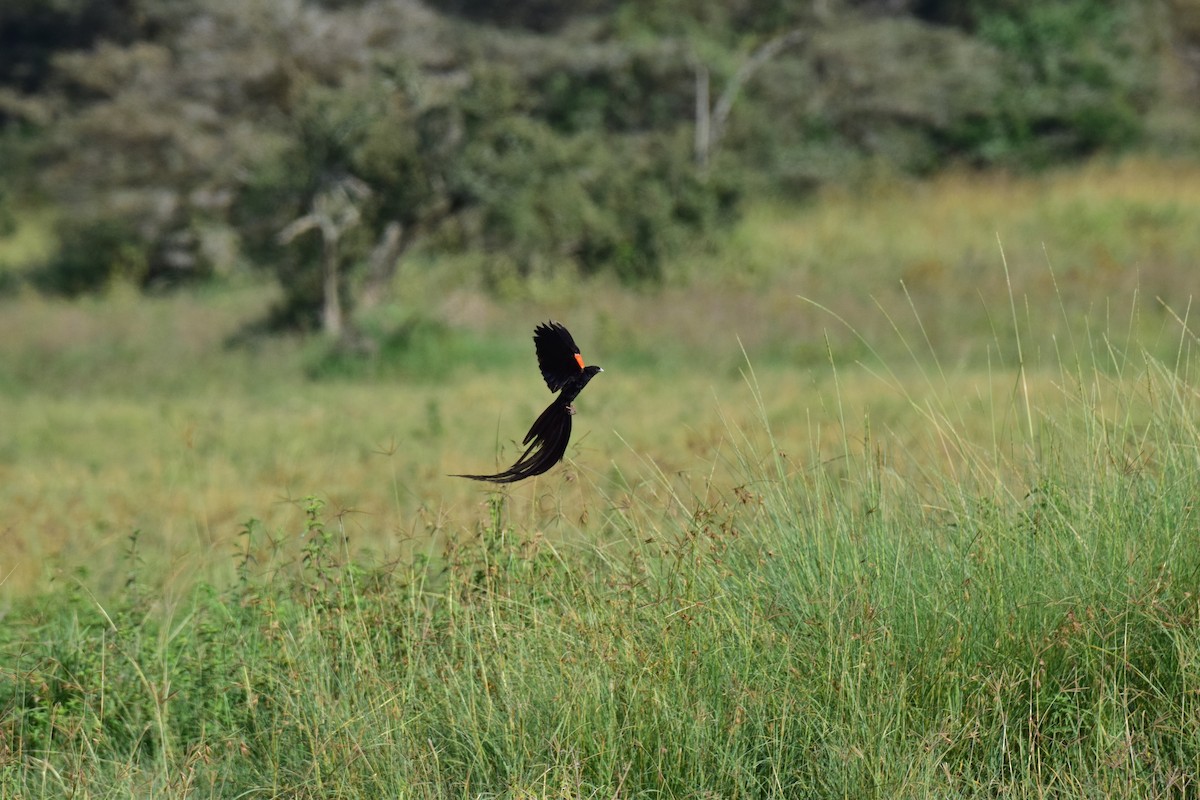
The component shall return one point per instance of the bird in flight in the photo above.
(564, 371)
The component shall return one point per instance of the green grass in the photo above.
(835, 547)
(29, 240)
(822, 627)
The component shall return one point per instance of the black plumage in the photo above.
(564, 372)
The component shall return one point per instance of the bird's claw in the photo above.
(570, 409)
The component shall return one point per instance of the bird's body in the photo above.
(564, 372)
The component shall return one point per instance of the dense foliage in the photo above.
(182, 139)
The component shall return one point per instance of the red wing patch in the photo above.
(579, 360)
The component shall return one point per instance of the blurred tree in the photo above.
(711, 119)
(593, 136)
(159, 136)
(251, 115)
(335, 211)
(536, 15)
(32, 32)
(354, 166)
(1078, 76)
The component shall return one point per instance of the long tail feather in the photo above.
(547, 440)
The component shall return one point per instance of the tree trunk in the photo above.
(701, 144)
(331, 313)
(382, 266)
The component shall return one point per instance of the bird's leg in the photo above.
(570, 409)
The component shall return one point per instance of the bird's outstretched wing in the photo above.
(557, 354)
(564, 372)
(547, 441)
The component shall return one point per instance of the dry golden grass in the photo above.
(1079, 246)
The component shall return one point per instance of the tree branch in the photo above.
(714, 123)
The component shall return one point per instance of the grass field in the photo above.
(894, 496)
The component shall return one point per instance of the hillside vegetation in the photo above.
(324, 143)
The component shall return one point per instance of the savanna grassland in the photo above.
(889, 495)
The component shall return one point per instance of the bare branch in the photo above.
(296, 227)
(715, 123)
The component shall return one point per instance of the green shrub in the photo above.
(1077, 79)
(92, 253)
(586, 202)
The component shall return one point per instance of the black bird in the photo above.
(564, 371)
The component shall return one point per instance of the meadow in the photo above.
(890, 495)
